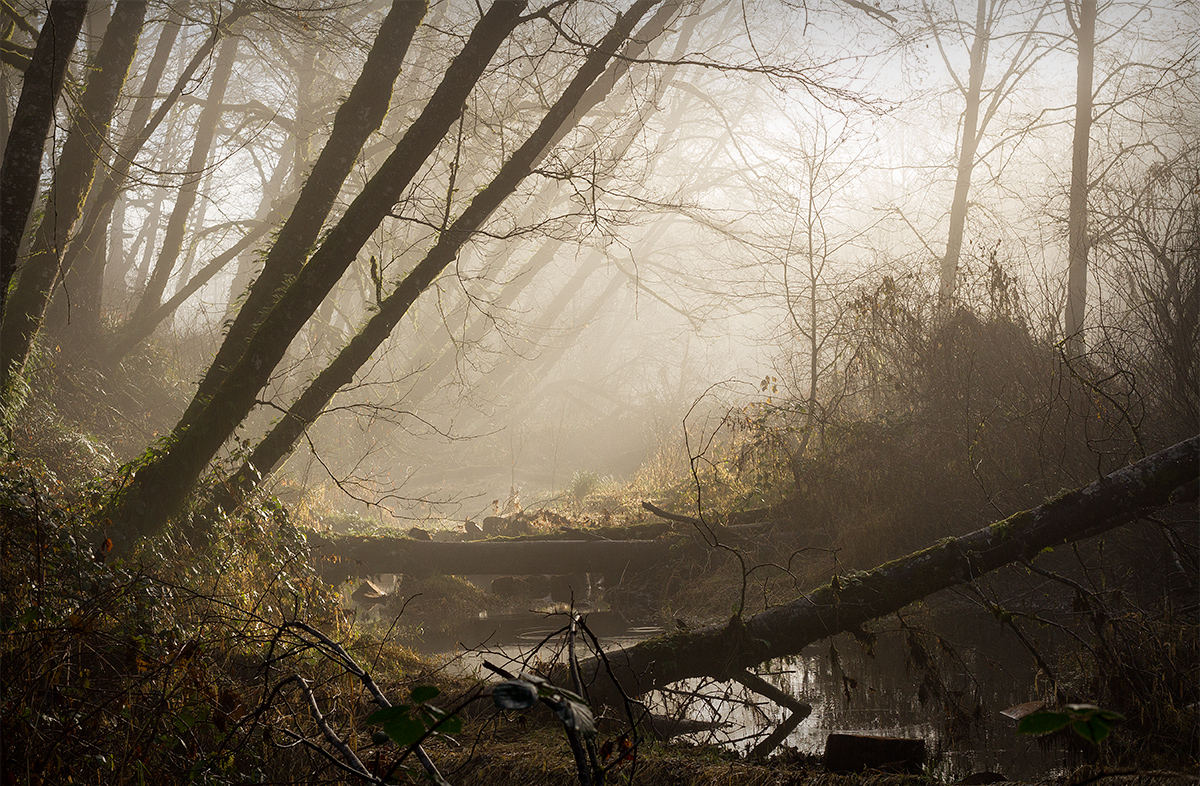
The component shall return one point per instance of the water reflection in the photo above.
(949, 691)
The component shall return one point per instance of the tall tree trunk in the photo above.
(587, 89)
(185, 199)
(968, 145)
(360, 115)
(1084, 28)
(87, 319)
(160, 488)
(141, 130)
(72, 180)
(22, 163)
(721, 651)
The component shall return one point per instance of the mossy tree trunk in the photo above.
(846, 603)
(26, 306)
(22, 166)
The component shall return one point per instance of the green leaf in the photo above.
(1093, 729)
(1087, 720)
(1043, 722)
(424, 693)
(399, 724)
(388, 714)
(405, 731)
(1091, 722)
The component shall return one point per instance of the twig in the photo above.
(581, 763)
(369, 684)
(331, 736)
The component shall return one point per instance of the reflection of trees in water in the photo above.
(947, 690)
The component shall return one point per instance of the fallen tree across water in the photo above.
(344, 556)
(612, 550)
(847, 602)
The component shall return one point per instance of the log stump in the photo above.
(859, 752)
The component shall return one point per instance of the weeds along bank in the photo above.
(205, 667)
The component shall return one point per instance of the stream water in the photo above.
(947, 689)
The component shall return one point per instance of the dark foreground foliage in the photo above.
(207, 668)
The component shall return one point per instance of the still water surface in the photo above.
(948, 689)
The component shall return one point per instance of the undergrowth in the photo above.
(173, 669)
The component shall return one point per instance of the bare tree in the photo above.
(1022, 49)
(1082, 19)
(359, 116)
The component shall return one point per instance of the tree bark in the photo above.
(160, 488)
(1084, 28)
(25, 140)
(846, 603)
(579, 97)
(22, 163)
(360, 115)
(26, 307)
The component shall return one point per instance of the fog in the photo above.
(708, 226)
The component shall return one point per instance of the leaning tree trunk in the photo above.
(845, 604)
(25, 308)
(589, 87)
(1077, 241)
(359, 116)
(160, 488)
(22, 164)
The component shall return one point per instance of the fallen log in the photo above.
(345, 556)
(847, 602)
